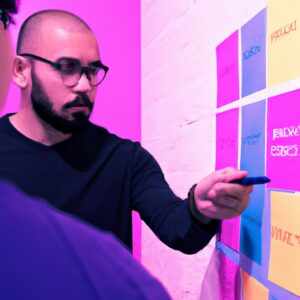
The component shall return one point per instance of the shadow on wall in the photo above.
(6, 58)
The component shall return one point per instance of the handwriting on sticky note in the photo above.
(283, 31)
(284, 236)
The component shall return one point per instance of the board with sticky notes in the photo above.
(258, 129)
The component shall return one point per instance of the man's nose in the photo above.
(83, 84)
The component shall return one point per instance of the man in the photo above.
(49, 149)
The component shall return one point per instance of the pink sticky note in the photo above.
(230, 233)
(227, 155)
(283, 141)
(227, 139)
(228, 70)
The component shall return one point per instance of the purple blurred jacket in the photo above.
(47, 254)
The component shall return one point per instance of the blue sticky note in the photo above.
(253, 36)
(253, 138)
(251, 223)
(253, 160)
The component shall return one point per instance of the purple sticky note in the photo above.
(283, 141)
(254, 54)
(227, 155)
(228, 70)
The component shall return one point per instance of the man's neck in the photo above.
(34, 128)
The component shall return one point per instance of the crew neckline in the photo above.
(12, 129)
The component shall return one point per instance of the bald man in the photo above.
(51, 150)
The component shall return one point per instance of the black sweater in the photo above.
(101, 178)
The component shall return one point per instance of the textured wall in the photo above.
(179, 38)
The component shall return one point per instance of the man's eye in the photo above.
(94, 70)
(69, 67)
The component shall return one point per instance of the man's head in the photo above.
(52, 48)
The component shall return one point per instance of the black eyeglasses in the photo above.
(71, 70)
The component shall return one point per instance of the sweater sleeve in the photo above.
(166, 214)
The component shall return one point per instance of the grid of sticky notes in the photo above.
(263, 137)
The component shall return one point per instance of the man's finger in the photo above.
(227, 170)
(229, 202)
(223, 212)
(229, 189)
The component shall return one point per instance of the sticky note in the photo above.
(283, 39)
(283, 141)
(227, 124)
(227, 155)
(230, 232)
(253, 35)
(253, 138)
(229, 278)
(251, 223)
(253, 290)
(253, 160)
(284, 269)
(228, 70)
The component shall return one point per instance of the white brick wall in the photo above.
(179, 38)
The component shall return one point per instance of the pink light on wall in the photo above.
(5, 64)
(117, 27)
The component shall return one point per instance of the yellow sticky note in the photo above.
(284, 267)
(253, 290)
(283, 41)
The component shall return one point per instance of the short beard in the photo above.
(43, 107)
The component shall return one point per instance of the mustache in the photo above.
(83, 100)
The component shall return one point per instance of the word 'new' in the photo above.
(285, 132)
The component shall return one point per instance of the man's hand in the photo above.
(217, 198)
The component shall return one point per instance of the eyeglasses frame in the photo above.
(57, 66)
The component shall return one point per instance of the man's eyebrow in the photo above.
(68, 58)
(93, 63)
(96, 62)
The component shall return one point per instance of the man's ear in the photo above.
(21, 72)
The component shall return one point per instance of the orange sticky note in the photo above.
(284, 267)
(283, 41)
(253, 289)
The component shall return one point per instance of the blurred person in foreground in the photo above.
(48, 254)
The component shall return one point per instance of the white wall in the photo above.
(179, 38)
